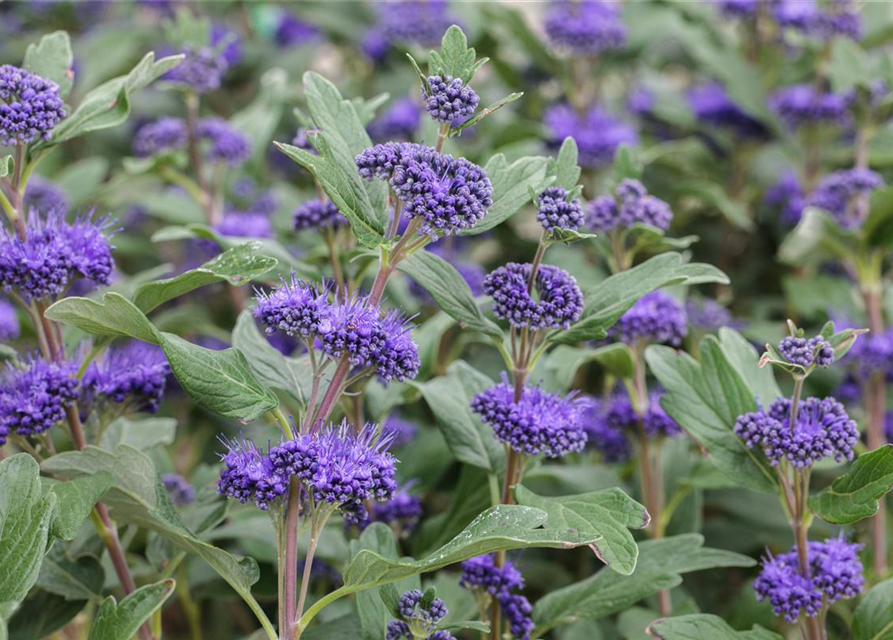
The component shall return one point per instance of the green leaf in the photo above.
(712, 194)
(817, 237)
(455, 58)
(607, 515)
(614, 296)
(220, 381)
(108, 105)
(41, 615)
(855, 495)
(511, 188)
(483, 113)
(25, 520)
(567, 236)
(848, 67)
(75, 501)
(449, 290)
(626, 164)
(704, 627)
(503, 527)
(138, 497)
(82, 180)
(742, 355)
(80, 578)
(873, 619)
(878, 226)
(52, 58)
(258, 120)
(706, 398)
(7, 164)
(371, 610)
(449, 397)
(121, 621)
(564, 362)
(661, 563)
(237, 266)
(142, 434)
(112, 317)
(292, 375)
(565, 168)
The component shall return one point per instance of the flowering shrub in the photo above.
(394, 351)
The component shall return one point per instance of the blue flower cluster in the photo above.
(53, 253)
(34, 394)
(834, 573)
(135, 374)
(42, 197)
(317, 214)
(202, 69)
(402, 512)
(585, 27)
(837, 192)
(399, 122)
(447, 99)
(631, 204)
(559, 300)
(222, 142)
(30, 106)
(447, 194)
(418, 618)
(597, 133)
(802, 104)
(610, 423)
(350, 326)
(556, 211)
(482, 574)
(539, 423)
(806, 353)
(9, 322)
(823, 430)
(711, 104)
(335, 465)
(656, 317)
(179, 489)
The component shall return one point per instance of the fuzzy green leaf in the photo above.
(52, 58)
(706, 398)
(112, 317)
(120, 621)
(855, 495)
(873, 619)
(607, 515)
(449, 289)
(704, 627)
(75, 501)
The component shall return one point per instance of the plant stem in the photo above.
(335, 260)
(875, 405)
(316, 527)
(292, 513)
(443, 132)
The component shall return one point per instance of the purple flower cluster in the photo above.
(834, 572)
(823, 430)
(249, 474)
(482, 574)
(350, 327)
(806, 353)
(179, 489)
(340, 467)
(840, 19)
(597, 133)
(448, 99)
(711, 104)
(447, 194)
(707, 314)
(336, 466)
(656, 317)
(801, 105)
(30, 106)
(557, 212)
(9, 322)
(872, 354)
(135, 374)
(53, 254)
(421, 22)
(245, 224)
(161, 136)
(418, 618)
(630, 205)
(559, 300)
(317, 214)
(399, 122)
(539, 423)
(787, 197)
(401, 431)
(43, 197)
(609, 424)
(402, 511)
(292, 31)
(737, 8)
(225, 144)
(837, 192)
(202, 69)
(34, 394)
(585, 27)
